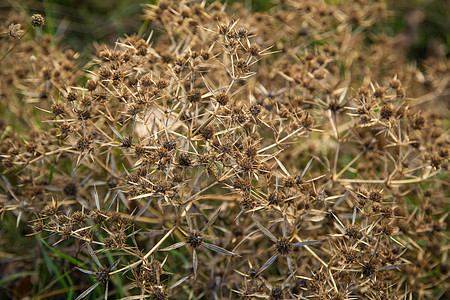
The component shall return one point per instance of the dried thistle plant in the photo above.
(276, 130)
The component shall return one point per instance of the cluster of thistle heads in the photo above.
(292, 154)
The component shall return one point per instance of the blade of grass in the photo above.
(14, 277)
(60, 277)
(69, 289)
(52, 169)
(60, 254)
(52, 267)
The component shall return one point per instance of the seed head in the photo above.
(238, 115)
(242, 65)
(66, 232)
(97, 217)
(254, 50)
(248, 202)
(387, 230)
(127, 142)
(117, 241)
(83, 113)
(205, 55)
(184, 160)
(222, 98)
(307, 121)
(379, 92)
(161, 84)
(195, 240)
(65, 129)
(141, 48)
(350, 255)
(376, 195)
(133, 109)
(70, 189)
(275, 198)
(394, 84)
(417, 120)
(102, 275)
(146, 80)
(242, 184)
(223, 29)
(283, 246)
(251, 151)
(207, 132)
(158, 293)
(31, 147)
(14, 31)
(150, 272)
(277, 293)
(49, 210)
(37, 20)
(169, 145)
(117, 76)
(352, 231)
(78, 217)
(104, 73)
(38, 226)
(319, 74)
(194, 96)
(289, 182)
(255, 110)
(369, 269)
(83, 144)
(386, 112)
(91, 85)
(58, 109)
(242, 33)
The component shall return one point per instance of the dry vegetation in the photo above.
(285, 155)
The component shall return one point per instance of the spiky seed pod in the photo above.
(37, 20)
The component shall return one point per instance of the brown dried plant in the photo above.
(301, 120)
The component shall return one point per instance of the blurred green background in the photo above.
(424, 24)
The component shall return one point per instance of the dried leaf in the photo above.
(218, 249)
